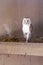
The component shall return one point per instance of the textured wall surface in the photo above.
(20, 60)
(13, 11)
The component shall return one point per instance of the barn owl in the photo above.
(26, 28)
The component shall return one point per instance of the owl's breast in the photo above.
(26, 29)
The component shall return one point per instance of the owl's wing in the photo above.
(31, 27)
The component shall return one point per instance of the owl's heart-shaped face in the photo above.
(26, 21)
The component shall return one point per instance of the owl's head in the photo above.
(26, 21)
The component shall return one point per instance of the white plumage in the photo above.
(26, 28)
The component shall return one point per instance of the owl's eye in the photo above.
(28, 21)
(24, 21)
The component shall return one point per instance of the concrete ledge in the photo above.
(35, 49)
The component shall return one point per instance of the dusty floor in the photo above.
(20, 39)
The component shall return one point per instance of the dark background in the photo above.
(13, 11)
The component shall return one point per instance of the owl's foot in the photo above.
(26, 41)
